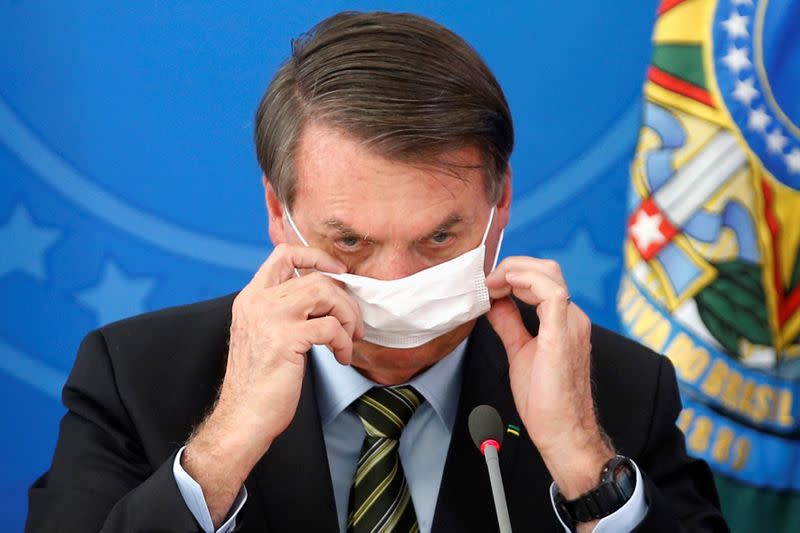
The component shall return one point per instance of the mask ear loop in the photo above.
(488, 226)
(497, 252)
(296, 232)
(486, 234)
(291, 223)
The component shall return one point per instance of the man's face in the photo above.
(386, 220)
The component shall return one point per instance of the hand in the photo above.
(550, 374)
(276, 319)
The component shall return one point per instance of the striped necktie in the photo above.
(379, 497)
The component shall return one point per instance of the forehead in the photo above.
(338, 176)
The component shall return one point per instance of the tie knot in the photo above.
(385, 411)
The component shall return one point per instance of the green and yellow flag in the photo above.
(712, 276)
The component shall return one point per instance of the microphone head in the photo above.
(485, 424)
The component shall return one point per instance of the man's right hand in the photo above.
(276, 319)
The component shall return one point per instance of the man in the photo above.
(332, 392)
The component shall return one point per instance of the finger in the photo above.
(516, 263)
(498, 285)
(316, 295)
(550, 298)
(534, 287)
(506, 320)
(339, 296)
(499, 288)
(329, 331)
(345, 297)
(285, 258)
(496, 281)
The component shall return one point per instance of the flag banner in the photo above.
(712, 277)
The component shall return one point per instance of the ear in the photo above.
(501, 215)
(504, 204)
(275, 214)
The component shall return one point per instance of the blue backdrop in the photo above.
(129, 180)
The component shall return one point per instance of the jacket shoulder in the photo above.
(615, 356)
(174, 342)
(208, 312)
(167, 366)
(629, 381)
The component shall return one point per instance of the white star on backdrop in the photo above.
(744, 91)
(736, 59)
(24, 244)
(758, 120)
(585, 268)
(736, 25)
(645, 229)
(116, 295)
(776, 141)
(793, 161)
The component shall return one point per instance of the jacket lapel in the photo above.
(465, 496)
(293, 478)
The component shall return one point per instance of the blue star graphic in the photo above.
(24, 244)
(584, 267)
(116, 295)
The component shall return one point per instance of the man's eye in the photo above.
(349, 243)
(441, 237)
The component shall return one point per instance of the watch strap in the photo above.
(605, 499)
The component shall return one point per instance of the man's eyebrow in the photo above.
(448, 223)
(343, 229)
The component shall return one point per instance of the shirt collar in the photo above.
(337, 386)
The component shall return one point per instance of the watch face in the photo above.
(617, 483)
(625, 477)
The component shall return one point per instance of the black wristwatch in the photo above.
(617, 482)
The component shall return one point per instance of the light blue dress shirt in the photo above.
(423, 443)
(337, 387)
(192, 494)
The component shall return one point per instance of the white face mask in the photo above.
(410, 311)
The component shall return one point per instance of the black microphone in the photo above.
(486, 430)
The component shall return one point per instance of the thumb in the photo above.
(507, 322)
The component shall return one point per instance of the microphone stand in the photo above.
(489, 449)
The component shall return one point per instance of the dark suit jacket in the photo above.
(141, 385)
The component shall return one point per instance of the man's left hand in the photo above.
(550, 373)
